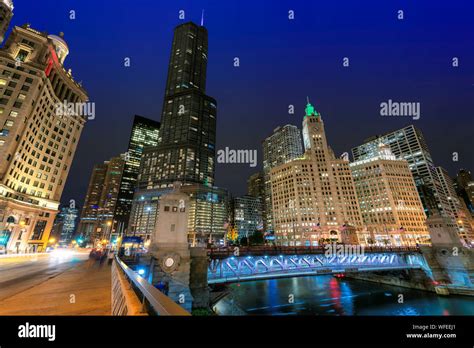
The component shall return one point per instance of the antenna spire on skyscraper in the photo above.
(202, 18)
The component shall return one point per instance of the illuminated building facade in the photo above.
(460, 214)
(101, 199)
(246, 215)
(283, 146)
(145, 133)
(186, 145)
(314, 198)
(65, 225)
(409, 144)
(465, 188)
(6, 14)
(37, 143)
(256, 186)
(208, 213)
(391, 208)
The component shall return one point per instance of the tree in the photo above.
(232, 234)
(257, 238)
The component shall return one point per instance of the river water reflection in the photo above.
(327, 295)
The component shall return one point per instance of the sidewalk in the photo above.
(83, 290)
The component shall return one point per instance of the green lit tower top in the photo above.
(310, 111)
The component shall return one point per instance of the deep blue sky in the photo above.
(281, 62)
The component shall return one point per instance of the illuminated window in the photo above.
(21, 56)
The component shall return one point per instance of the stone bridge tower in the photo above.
(170, 247)
(450, 261)
(179, 270)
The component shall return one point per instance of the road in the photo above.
(62, 283)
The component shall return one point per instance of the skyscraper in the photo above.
(145, 133)
(65, 225)
(186, 145)
(314, 198)
(101, 199)
(459, 213)
(283, 146)
(247, 215)
(37, 140)
(465, 188)
(256, 186)
(409, 143)
(391, 208)
(6, 14)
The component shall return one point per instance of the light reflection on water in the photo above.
(326, 295)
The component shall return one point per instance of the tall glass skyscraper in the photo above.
(145, 133)
(186, 145)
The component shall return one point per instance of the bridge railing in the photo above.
(133, 295)
(292, 250)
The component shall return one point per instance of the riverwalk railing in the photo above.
(134, 295)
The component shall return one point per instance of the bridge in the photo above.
(289, 264)
(225, 252)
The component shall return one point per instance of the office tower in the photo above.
(65, 225)
(247, 215)
(37, 139)
(186, 147)
(256, 186)
(463, 177)
(283, 146)
(145, 133)
(208, 213)
(101, 199)
(409, 143)
(465, 188)
(459, 213)
(314, 198)
(391, 208)
(6, 14)
(186, 144)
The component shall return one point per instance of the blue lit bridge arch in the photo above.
(235, 269)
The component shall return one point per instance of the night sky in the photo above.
(281, 62)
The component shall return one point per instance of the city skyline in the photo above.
(288, 160)
(308, 63)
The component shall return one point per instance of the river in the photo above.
(327, 295)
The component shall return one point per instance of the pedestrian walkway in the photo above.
(81, 290)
